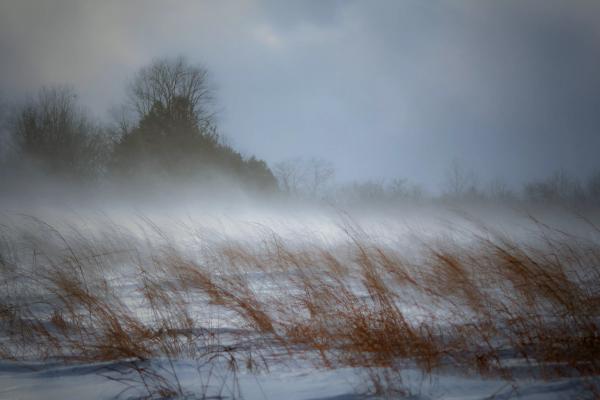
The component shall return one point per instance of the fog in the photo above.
(312, 200)
(386, 90)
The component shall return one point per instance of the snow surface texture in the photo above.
(298, 383)
(34, 246)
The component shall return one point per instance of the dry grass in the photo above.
(470, 304)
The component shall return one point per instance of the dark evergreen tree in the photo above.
(176, 136)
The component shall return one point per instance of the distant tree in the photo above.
(52, 131)
(378, 192)
(498, 190)
(369, 192)
(320, 174)
(401, 189)
(291, 175)
(304, 177)
(460, 182)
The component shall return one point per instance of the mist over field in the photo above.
(304, 200)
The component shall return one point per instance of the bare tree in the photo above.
(299, 176)
(53, 131)
(401, 189)
(170, 83)
(367, 192)
(320, 173)
(459, 181)
(499, 190)
(290, 175)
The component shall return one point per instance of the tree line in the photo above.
(313, 179)
(165, 130)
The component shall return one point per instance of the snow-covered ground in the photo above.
(282, 376)
(293, 382)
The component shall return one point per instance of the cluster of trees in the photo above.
(558, 187)
(166, 130)
(52, 133)
(301, 177)
(379, 192)
(313, 179)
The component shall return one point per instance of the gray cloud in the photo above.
(382, 89)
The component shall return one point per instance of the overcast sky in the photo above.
(382, 89)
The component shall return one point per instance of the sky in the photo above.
(382, 89)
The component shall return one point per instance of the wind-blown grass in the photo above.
(477, 304)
